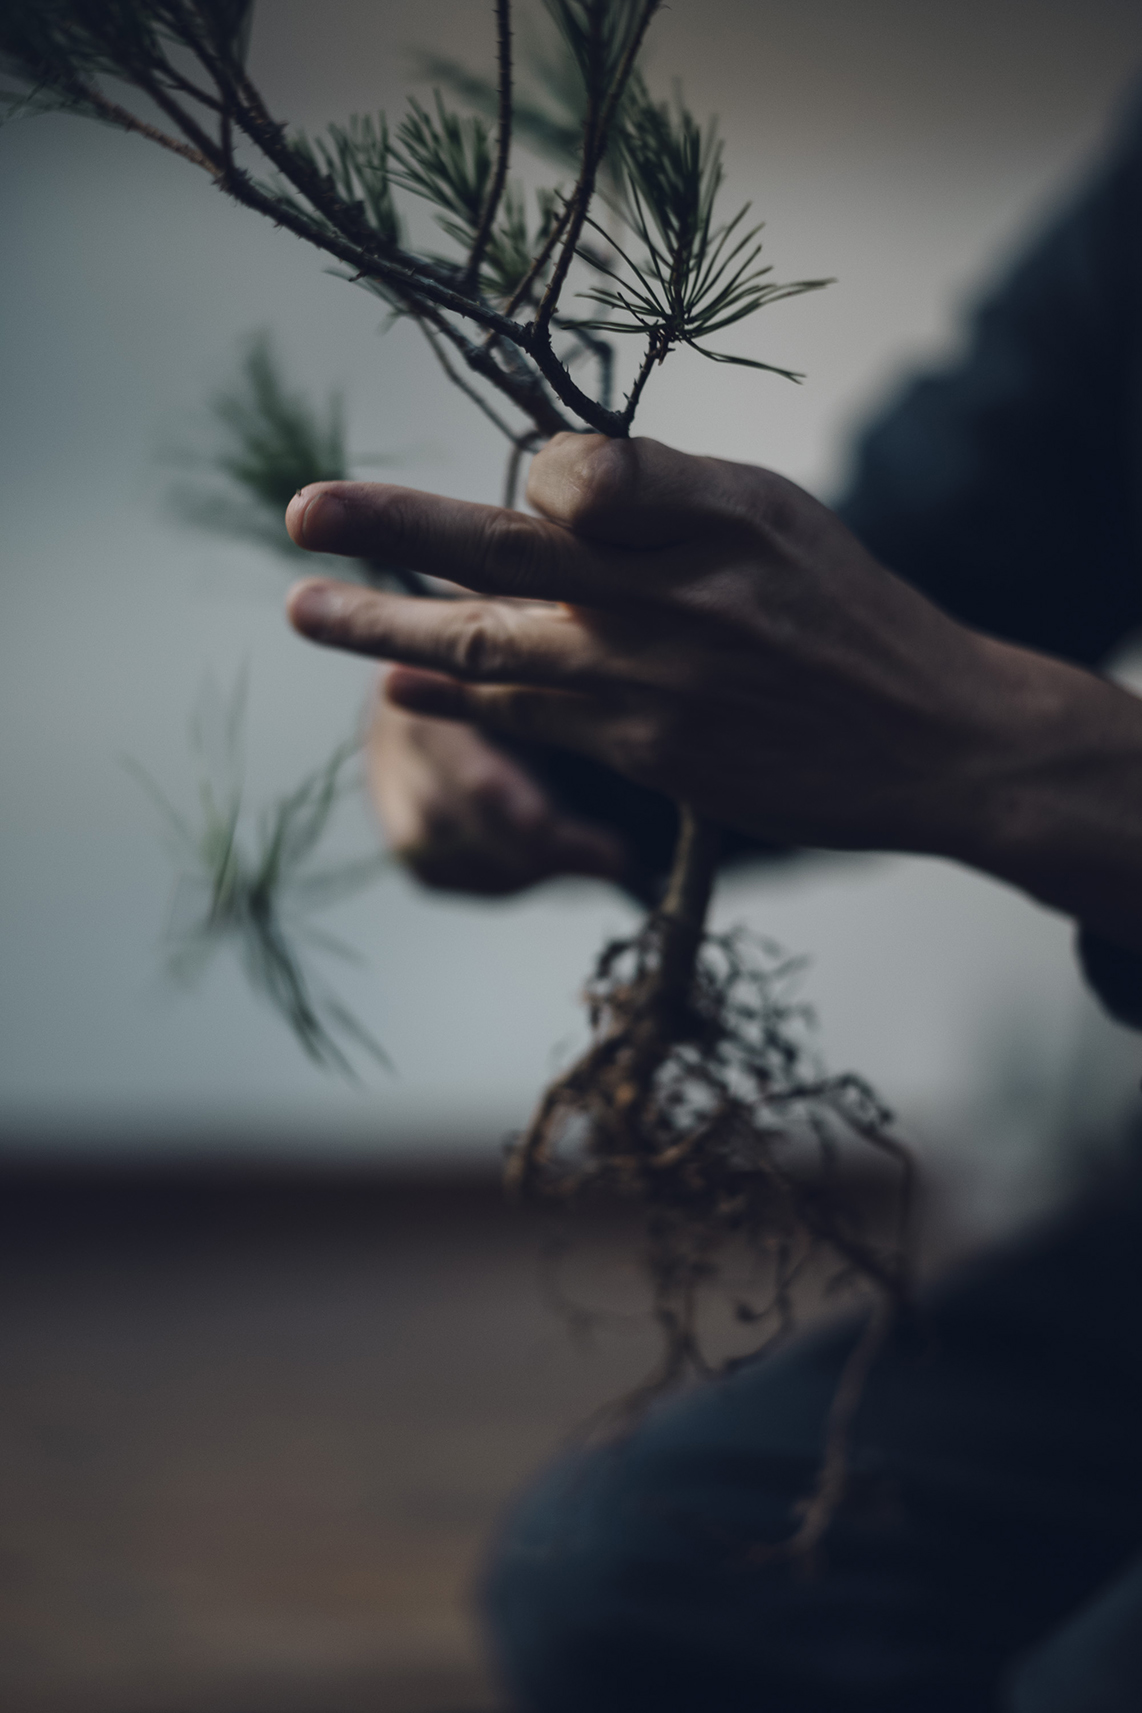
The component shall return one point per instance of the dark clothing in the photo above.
(996, 1483)
(1009, 488)
(997, 1493)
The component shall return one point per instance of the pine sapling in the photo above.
(698, 1096)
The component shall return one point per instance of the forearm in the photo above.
(1050, 798)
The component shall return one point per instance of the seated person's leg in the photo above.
(995, 1483)
(1094, 1663)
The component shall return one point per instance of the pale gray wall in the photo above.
(904, 147)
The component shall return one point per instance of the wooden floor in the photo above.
(255, 1432)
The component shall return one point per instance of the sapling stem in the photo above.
(686, 903)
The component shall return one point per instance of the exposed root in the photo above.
(700, 1101)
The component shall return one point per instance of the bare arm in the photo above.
(709, 629)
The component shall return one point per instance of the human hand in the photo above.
(706, 628)
(711, 631)
(463, 815)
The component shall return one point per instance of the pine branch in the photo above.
(255, 890)
(457, 379)
(698, 278)
(124, 39)
(544, 255)
(114, 114)
(602, 106)
(518, 383)
(601, 109)
(336, 193)
(504, 141)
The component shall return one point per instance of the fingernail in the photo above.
(314, 607)
(311, 514)
(295, 516)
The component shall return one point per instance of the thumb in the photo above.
(633, 493)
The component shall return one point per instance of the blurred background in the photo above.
(908, 147)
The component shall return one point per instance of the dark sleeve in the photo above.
(1006, 485)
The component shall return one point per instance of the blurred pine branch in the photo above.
(252, 881)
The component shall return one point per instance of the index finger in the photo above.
(487, 548)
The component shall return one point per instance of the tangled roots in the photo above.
(701, 1102)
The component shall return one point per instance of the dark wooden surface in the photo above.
(256, 1428)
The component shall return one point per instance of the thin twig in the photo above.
(226, 139)
(541, 260)
(601, 350)
(595, 136)
(121, 116)
(511, 472)
(458, 380)
(653, 356)
(189, 127)
(521, 385)
(503, 145)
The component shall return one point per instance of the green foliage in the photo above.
(272, 442)
(255, 887)
(513, 245)
(447, 160)
(596, 36)
(550, 120)
(276, 442)
(592, 108)
(355, 158)
(698, 277)
(549, 115)
(54, 51)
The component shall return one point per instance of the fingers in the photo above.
(464, 815)
(525, 642)
(483, 547)
(619, 729)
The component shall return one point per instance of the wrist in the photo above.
(1051, 789)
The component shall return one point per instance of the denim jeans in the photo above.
(986, 1556)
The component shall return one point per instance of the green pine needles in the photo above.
(271, 442)
(698, 277)
(253, 883)
(494, 302)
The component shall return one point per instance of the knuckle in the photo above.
(477, 644)
(510, 551)
(774, 503)
(580, 478)
(604, 476)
